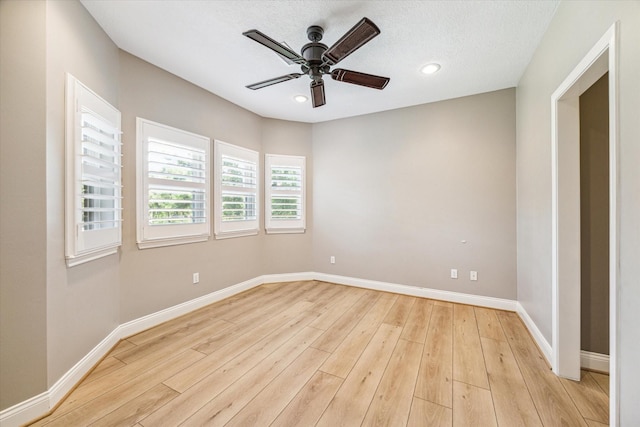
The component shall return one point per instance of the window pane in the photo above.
(289, 207)
(238, 207)
(168, 206)
(238, 173)
(176, 162)
(286, 178)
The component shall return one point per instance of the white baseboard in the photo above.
(40, 405)
(594, 361)
(543, 344)
(25, 411)
(479, 300)
(143, 323)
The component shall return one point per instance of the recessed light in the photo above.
(300, 98)
(430, 68)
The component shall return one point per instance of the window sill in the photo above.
(158, 243)
(72, 261)
(285, 230)
(232, 234)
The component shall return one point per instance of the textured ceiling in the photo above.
(481, 45)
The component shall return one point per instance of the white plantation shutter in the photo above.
(285, 194)
(236, 190)
(173, 181)
(93, 175)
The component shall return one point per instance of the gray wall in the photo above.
(82, 302)
(576, 27)
(153, 279)
(157, 278)
(396, 192)
(23, 221)
(290, 252)
(594, 217)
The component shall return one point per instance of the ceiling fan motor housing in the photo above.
(313, 52)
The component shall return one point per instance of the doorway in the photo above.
(565, 230)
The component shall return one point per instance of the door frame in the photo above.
(565, 207)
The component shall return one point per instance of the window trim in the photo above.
(224, 230)
(291, 226)
(80, 247)
(147, 236)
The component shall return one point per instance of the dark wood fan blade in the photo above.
(362, 79)
(278, 48)
(274, 81)
(317, 93)
(355, 38)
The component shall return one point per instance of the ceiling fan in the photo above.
(316, 59)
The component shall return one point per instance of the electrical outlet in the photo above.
(473, 275)
(196, 278)
(332, 260)
(454, 273)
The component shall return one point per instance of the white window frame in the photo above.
(87, 162)
(286, 225)
(152, 236)
(248, 227)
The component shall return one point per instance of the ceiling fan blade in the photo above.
(362, 79)
(355, 38)
(273, 81)
(317, 93)
(278, 48)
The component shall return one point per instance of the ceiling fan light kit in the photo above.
(431, 68)
(316, 59)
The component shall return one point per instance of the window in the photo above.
(173, 185)
(236, 191)
(93, 176)
(284, 194)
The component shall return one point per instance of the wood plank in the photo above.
(219, 410)
(425, 413)
(398, 314)
(275, 330)
(392, 401)
(337, 307)
(196, 396)
(348, 352)
(107, 366)
(554, 405)
(268, 404)
(352, 400)
(587, 395)
(89, 391)
(308, 405)
(230, 307)
(123, 345)
(107, 402)
(263, 308)
(138, 408)
(435, 376)
(224, 337)
(592, 423)
(472, 406)
(186, 337)
(326, 293)
(468, 362)
(511, 398)
(443, 303)
(415, 329)
(488, 324)
(333, 336)
(602, 380)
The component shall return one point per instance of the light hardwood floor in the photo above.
(314, 353)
